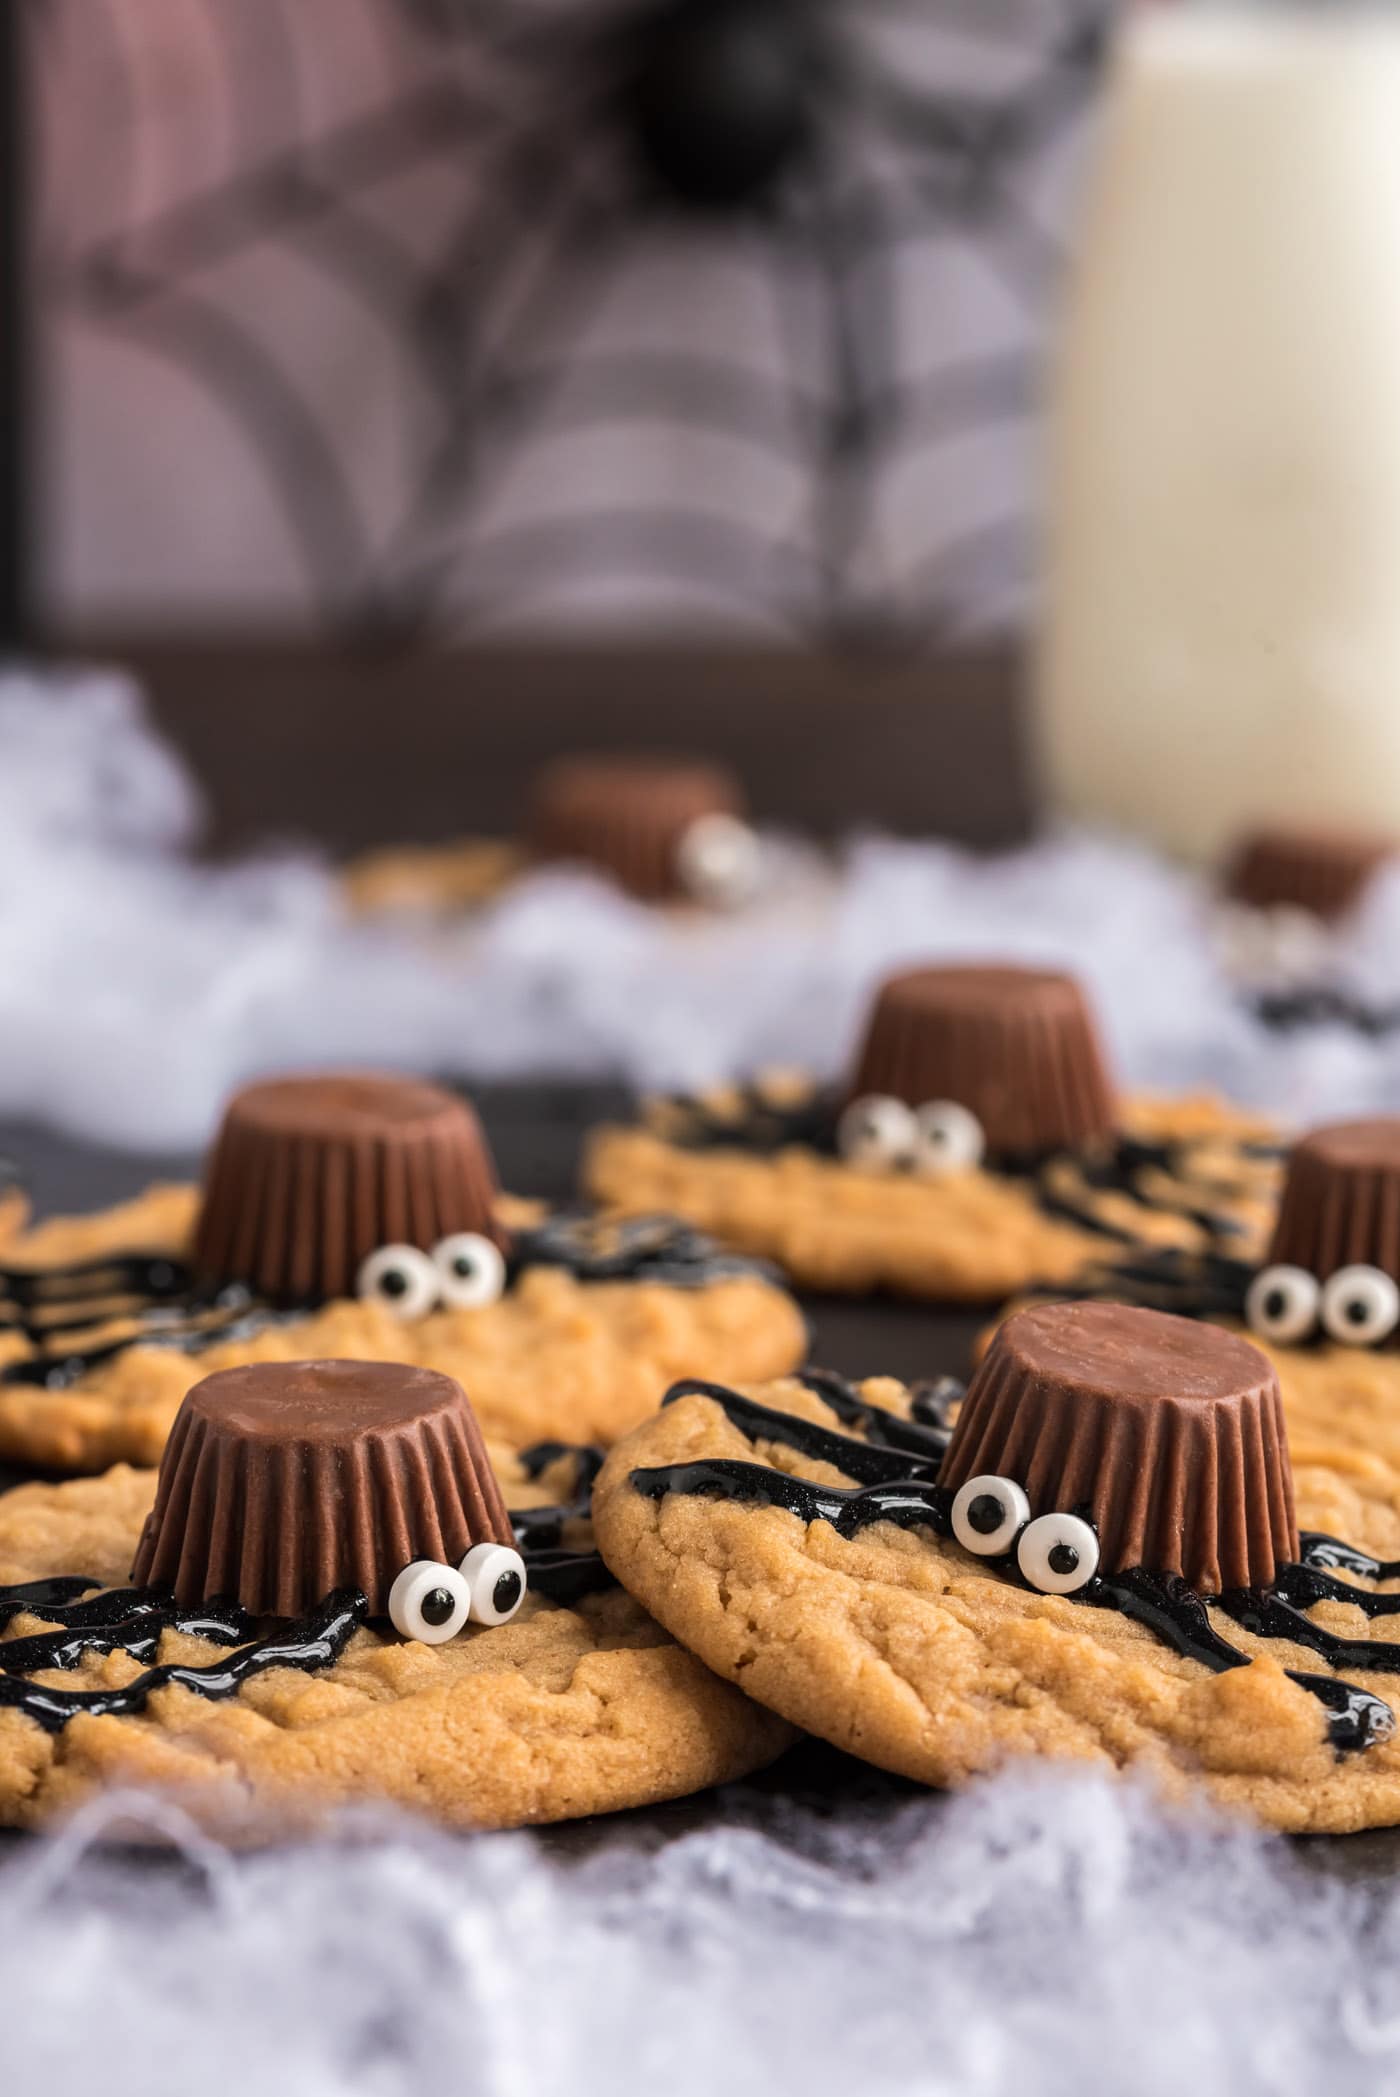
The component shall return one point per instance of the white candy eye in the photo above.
(1282, 1303)
(429, 1602)
(950, 1138)
(495, 1576)
(876, 1131)
(1360, 1306)
(988, 1515)
(719, 861)
(402, 1278)
(471, 1270)
(1058, 1554)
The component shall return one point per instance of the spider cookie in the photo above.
(323, 1600)
(978, 1145)
(1290, 896)
(1323, 1300)
(358, 1216)
(1102, 1560)
(665, 831)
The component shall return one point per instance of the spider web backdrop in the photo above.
(362, 314)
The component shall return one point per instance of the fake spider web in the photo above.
(362, 313)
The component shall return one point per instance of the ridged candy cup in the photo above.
(309, 1175)
(1017, 1046)
(1340, 1205)
(282, 1481)
(628, 817)
(1166, 1433)
(1325, 872)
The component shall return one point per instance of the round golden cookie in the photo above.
(564, 1711)
(897, 1645)
(976, 1235)
(553, 1356)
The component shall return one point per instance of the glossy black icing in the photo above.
(1067, 1186)
(924, 1434)
(1210, 1285)
(635, 1248)
(127, 1619)
(167, 1307)
(892, 1448)
(42, 1300)
(1162, 1602)
(1324, 1005)
(1319, 1552)
(188, 1324)
(898, 1484)
(170, 1309)
(552, 1568)
(313, 1641)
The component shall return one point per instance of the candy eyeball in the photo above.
(495, 1578)
(719, 861)
(1058, 1554)
(950, 1138)
(1271, 948)
(429, 1602)
(471, 1270)
(1282, 1304)
(878, 1133)
(1360, 1306)
(400, 1278)
(988, 1515)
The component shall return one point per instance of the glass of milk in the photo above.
(1220, 636)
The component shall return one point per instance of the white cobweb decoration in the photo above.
(139, 984)
(1043, 1934)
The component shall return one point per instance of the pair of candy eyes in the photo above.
(1357, 1306)
(1057, 1553)
(719, 861)
(465, 1271)
(433, 1602)
(938, 1137)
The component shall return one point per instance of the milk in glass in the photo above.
(1221, 625)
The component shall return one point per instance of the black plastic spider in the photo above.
(801, 121)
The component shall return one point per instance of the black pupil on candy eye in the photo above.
(1062, 1560)
(437, 1606)
(394, 1282)
(1276, 1304)
(506, 1592)
(986, 1514)
(464, 1266)
(1357, 1311)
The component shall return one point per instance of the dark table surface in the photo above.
(536, 1131)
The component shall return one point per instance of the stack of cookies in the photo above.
(365, 1480)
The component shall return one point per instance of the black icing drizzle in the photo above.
(87, 1619)
(1067, 1186)
(169, 1308)
(635, 1248)
(897, 1467)
(1323, 1005)
(1191, 1284)
(553, 1569)
(310, 1642)
(177, 1315)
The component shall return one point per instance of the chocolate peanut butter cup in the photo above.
(1162, 1435)
(1340, 1205)
(311, 1175)
(283, 1481)
(1015, 1047)
(1324, 872)
(663, 829)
